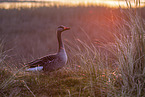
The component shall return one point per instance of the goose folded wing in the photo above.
(42, 61)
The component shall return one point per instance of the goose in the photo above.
(51, 62)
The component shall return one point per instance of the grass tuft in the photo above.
(129, 50)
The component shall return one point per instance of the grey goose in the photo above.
(51, 62)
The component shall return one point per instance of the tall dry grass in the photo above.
(130, 46)
(129, 51)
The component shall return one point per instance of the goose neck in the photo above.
(60, 42)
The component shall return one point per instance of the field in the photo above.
(105, 48)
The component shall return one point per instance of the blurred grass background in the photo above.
(105, 48)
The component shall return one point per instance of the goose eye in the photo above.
(60, 27)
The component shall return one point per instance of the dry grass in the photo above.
(130, 53)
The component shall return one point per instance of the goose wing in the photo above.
(42, 61)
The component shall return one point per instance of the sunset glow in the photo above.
(69, 3)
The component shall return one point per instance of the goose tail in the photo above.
(39, 68)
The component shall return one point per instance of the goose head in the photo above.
(62, 28)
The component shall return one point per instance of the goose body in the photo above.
(51, 62)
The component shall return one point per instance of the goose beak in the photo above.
(66, 28)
